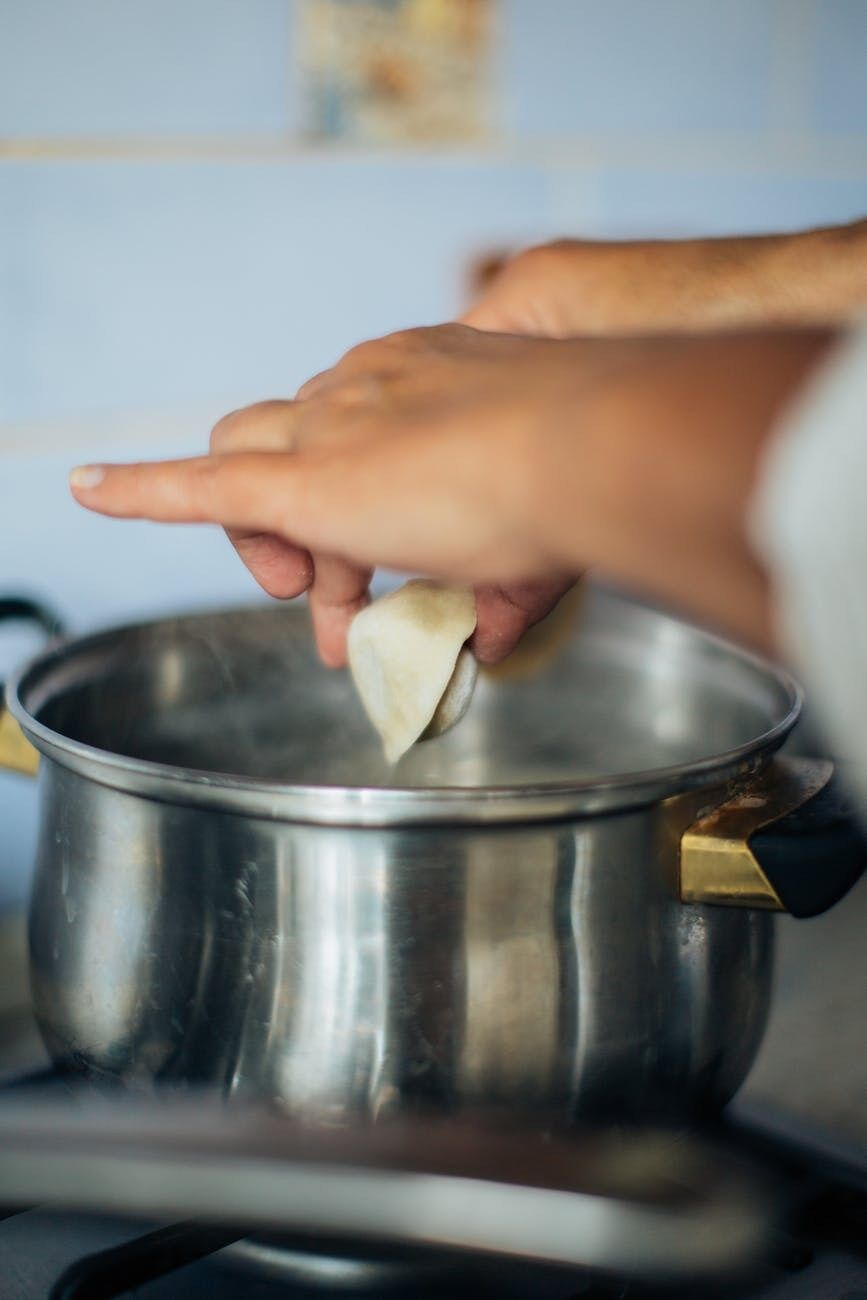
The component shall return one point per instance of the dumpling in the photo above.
(409, 662)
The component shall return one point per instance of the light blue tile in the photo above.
(121, 67)
(156, 284)
(572, 200)
(840, 87)
(636, 65)
(660, 203)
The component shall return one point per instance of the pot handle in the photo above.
(16, 753)
(791, 842)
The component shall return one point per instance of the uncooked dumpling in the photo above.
(409, 662)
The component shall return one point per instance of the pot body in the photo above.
(352, 971)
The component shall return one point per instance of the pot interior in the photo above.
(629, 691)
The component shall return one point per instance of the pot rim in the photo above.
(384, 806)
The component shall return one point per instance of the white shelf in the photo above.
(767, 152)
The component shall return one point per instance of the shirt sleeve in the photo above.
(809, 526)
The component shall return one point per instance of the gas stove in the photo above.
(815, 1247)
(799, 1123)
(821, 1254)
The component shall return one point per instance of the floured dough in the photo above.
(410, 666)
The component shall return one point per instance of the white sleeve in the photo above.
(809, 526)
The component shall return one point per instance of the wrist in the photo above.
(820, 276)
(652, 480)
(810, 278)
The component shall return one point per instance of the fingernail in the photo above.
(87, 476)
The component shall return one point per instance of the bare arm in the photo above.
(815, 277)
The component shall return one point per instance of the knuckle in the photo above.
(402, 341)
(526, 256)
(379, 354)
(359, 391)
(208, 481)
(529, 259)
(405, 339)
(238, 424)
(313, 385)
(363, 352)
(540, 256)
(224, 430)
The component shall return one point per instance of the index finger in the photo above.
(255, 491)
(254, 496)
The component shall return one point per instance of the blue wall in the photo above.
(162, 243)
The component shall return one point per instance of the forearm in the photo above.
(816, 277)
(581, 287)
(653, 488)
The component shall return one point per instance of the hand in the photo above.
(324, 415)
(574, 287)
(337, 588)
(501, 461)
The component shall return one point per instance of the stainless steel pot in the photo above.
(233, 888)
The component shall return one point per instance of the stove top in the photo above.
(45, 1254)
(817, 1250)
(801, 1119)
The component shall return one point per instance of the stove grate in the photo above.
(107, 1274)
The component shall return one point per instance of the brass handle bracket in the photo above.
(716, 862)
(16, 752)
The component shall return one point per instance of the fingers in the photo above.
(267, 426)
(281, 569)
(254, 492)
(339, 591)
(505, 613)
(312, 502)
(255, 495)
(364, 358)
(317, 383)
(364, 370)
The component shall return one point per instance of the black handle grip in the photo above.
(21, 609)
(814, 855)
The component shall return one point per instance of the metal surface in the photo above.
(235, 712)
(811, 1072)
(716, 862)
(543, 966)
(358, 971)
(640, 1203)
